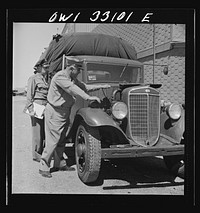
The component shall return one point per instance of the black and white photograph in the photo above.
(99, 106)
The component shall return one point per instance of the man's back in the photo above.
(59, 95)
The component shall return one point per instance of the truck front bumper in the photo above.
(135, 151)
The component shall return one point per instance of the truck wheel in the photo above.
(175, 164)
(87, 153)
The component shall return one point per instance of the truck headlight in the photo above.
(119, 110)
(174, 111)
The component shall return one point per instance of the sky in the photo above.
(29, 41)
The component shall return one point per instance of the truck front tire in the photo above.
(87, 153)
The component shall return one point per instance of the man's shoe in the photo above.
(46, 174)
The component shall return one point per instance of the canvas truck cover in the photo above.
(86, 43)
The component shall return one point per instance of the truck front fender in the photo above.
(96, 117)
(173, 129)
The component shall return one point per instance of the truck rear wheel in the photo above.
(87, 153)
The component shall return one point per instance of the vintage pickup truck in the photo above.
(131, 120)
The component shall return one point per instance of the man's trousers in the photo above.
(38, 137)
(56, 125)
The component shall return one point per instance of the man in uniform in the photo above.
(37, 90)
(63, 87)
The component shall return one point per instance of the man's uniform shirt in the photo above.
(37, 90)
(63, 89)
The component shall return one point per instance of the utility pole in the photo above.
(154, 54)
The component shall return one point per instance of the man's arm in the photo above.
(81, 85)
(68, 86)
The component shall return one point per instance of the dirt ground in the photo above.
(139, 176)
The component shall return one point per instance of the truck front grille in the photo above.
(144, 118)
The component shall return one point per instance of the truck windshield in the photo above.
(113, 73)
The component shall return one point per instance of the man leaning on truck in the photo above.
(64, 86)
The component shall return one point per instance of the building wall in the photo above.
(141, 37)
(173, 84)
(78, 27)
(81, 27)
(167, 36)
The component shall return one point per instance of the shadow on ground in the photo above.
(139, 173)
(145, 172)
